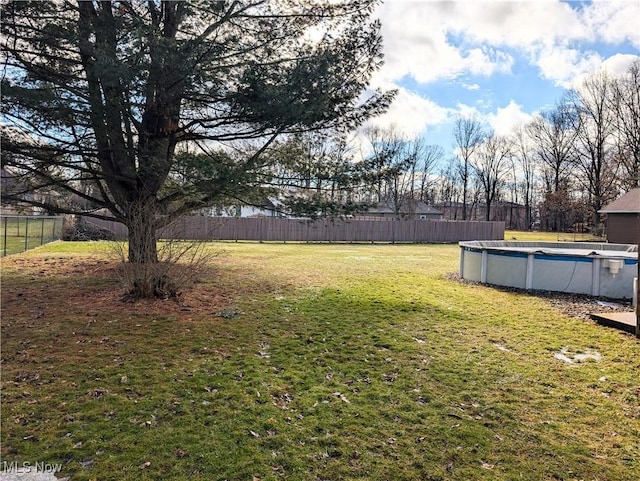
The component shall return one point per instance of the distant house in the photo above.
(408, 210)
(623, 218)
(267, 208)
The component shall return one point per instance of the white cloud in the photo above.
(430, 40)
(486, 61)
(412, 113)
(417, 43)
(434, 40)
(619, 64)
(504, 120)
(615, 66)
(517, 24)
(451, 43)
(614, 21)
(467, 111)
(409, 114)
(563, 65)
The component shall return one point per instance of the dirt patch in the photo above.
(90, 286)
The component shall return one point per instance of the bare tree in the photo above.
(468, 133)
(393, 161)
(385, 146)
(448, 191)
(491, 166)
(430, 157)
(625, 103)
(594, 125)
(553, 135)
(524, 171)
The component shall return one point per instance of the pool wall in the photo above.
(606, 270)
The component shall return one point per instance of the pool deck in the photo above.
(625, 321)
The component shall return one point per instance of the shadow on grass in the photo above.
(364, 382)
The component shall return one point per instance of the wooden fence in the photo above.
(295, 230)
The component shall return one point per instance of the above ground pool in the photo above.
(606, 270)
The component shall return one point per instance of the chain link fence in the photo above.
(21, 233)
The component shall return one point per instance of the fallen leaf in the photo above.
(342, 397)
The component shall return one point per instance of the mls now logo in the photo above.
(16, 467)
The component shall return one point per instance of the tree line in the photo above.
(558, 170)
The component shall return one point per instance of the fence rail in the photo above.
(294, 230)
(21, 233)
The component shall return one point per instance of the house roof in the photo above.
(422, 208)
(414, 208)
(628, 203)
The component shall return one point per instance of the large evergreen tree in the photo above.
(100, 98)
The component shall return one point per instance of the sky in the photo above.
(503, 61)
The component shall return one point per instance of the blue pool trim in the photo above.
(546, 257)
(507, 253)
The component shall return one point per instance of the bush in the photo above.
(180, 265)
(83, 230)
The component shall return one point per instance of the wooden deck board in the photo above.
(625, 321)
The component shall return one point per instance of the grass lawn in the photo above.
(528, 236)
(308, 362)
(18, 234)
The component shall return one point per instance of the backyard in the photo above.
(308, 362)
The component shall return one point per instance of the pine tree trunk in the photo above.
(146, 277)
(142, 232)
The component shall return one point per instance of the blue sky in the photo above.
(500, 60)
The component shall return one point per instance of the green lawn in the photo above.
(551, 236)
(336, 362)
(18, 234)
